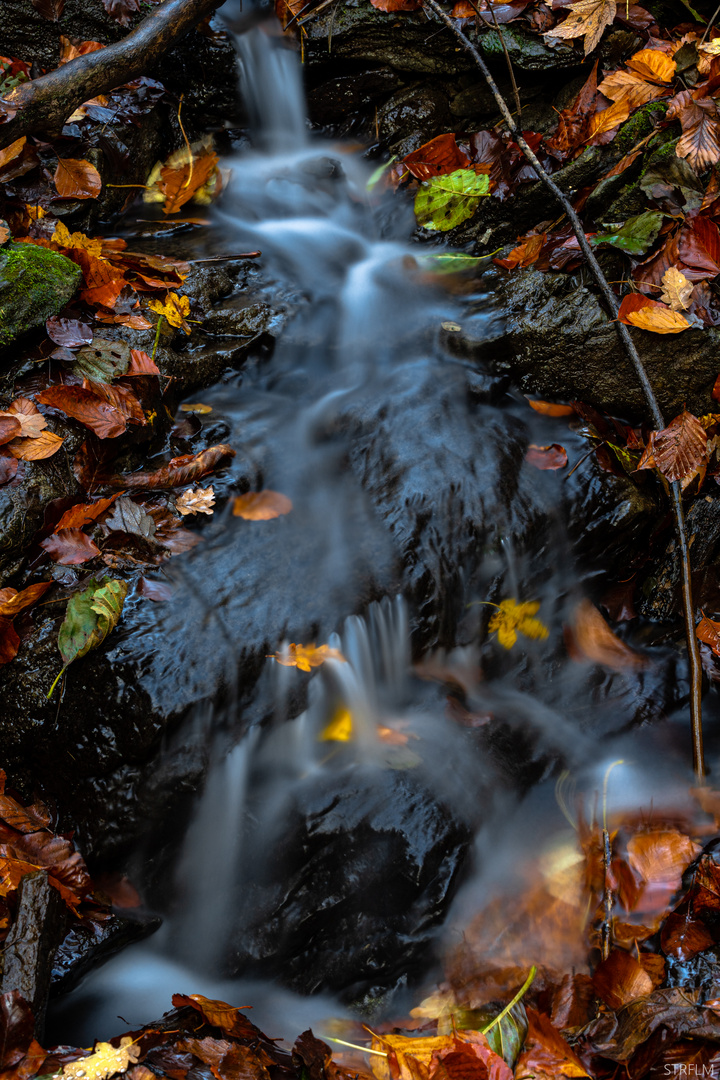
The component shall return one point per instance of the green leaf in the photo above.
(453, 264)
(102, 361)
(635, 236)
(377, 174)
(446, 201)
(89, 618)
(506, 1038)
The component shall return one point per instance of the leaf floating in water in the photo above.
(305, 657)
(261, 505)
(549, 408)
(547, 457)
(196, 407)
(512, 617)
(590, 638)
(340, 728)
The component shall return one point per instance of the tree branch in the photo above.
(45, 103)
(634, 357)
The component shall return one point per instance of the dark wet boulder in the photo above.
(560, 344)
(35, 283)
(358, 877)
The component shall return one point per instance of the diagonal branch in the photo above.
(634, 357)
(45, 103)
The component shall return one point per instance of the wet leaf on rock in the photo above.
(90, 616)
(77, 179)
(9, 427)
(129, 517)
(35, 448)
(647, 314)
(82, 514)
(141, 364)
(218, 1014)
(11, 605)
(635, 236)
(104, 1062)
(32, 421)
(70, 547)
(103, 361)
(69, 332)
(590, 639)
(87, 408)
(443, 202)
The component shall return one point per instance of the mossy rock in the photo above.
(35, 283)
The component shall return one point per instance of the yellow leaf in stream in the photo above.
(305, 657)
(340, 728)
(511, 617)
(104, 1062)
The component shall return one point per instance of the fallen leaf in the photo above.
(70, 547)
(196, 501)
(607, 120)
(525, 254)
(186, 469)
(626, 86)
(512, 617)
(261, 505)
(396, 5)
(699, 248)
(89, 617)
(87, 408)
(120, 398)
(9, 641)
(10, 427)
(546, 1053)
(340, 728)
(121, 10)
(105, 1061)
(174, 309)
(621, 979)
(589, 638)
(196, 407)
(436, 158)
(635, 236)
(546, 457)
(49, 9)
(547, 408)
(679, 449)
(646, 314)
(443, 202)
(11, 605)
(24, 818)
(699, 142)
(676, 289)
(586, 19)
(77, 179)
(69, 332)
(84, 513)
(305, 657)
(141, 364)
(35, 448)
(103, 360)
(653, 64)
(32, 421)
(708, 630)
(219, 1014)
(128, 516)
(8, 467)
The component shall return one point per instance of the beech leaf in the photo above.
(261, 505)
(89, 618)
(77, 179)
(636, 235)
(70, 547)
(680, 448)
(32, 421)
(587, 19)
(443, 202)
(647, 314)
(87, 408)
(35, 448)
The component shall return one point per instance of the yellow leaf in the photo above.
(197, 407)
(609, 118)
(588, 19)
(512, 617)
(175, 309)
(659, 320)
(711, 48)
(66, 239)
(340, 728)
(305, 657)
(104, 1062)
(653, 64)
(676, 289)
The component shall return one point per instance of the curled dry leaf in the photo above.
(182, 470)
(676, 289)
(305, 657)
(77, 179)
(700, 140)
(589, 638)
(196, 501)
(261, 505)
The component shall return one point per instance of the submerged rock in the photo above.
(35, 283)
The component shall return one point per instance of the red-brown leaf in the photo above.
(97, 415)
(68, 332)
(23, 818)
(699, 249)
(9, 428)
(396, 5)
(120, 398)
(684, 936)
(141, 364)
(546, 1051)
(8, 468)
(700, 140)
(70, 547)
(121, 10)
(9, 641)
(179, 471)
(49, 9)
(681, 447)
(77, 179)
(218, 1014)
(546, 457)
(83, 513)
(525, 254)
(436, 158)
(621, 979)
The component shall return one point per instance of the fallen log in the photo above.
(45, 103)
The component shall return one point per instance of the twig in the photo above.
(632, 354)
(606, 933)
(516, 92)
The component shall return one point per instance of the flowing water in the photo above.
(364, 339)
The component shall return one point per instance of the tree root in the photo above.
(45, 103)
(634, 357)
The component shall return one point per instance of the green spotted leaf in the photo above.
(103, 360)
(89, 618)
(446, 201)
(635, 236)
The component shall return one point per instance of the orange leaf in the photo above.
(32, 421)
(436, 158)
(37, 448)
(84, 513)
(97, 415)
(607, 120)
(305, 657)
(9, 427)
(621, 979)
(590, 638)
(179, 184)
(708, 631)
(10, 607)
(546, 1051)
(77, 179)
(653, 64)
(525, 254)
(661, 857)
(548, 408)
(218, 1014)
(141, 364)
(646, 314)
(12, 151)
(396, 5)
(120, 398)
(261, 505)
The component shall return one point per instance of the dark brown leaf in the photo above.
(49, 9)
(9, 641)
(16, 1028)
(218, 1014)
(121, 10)
(681, 447)
(621, 979)
(23, 818)
(312, 1054)
(684, 936)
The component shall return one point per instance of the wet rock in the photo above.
(412, 117)
(348, 94)
(30, 946)
(361, 873)
(89, 944)
(661, 597)
(561, 344)
(35, 283)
